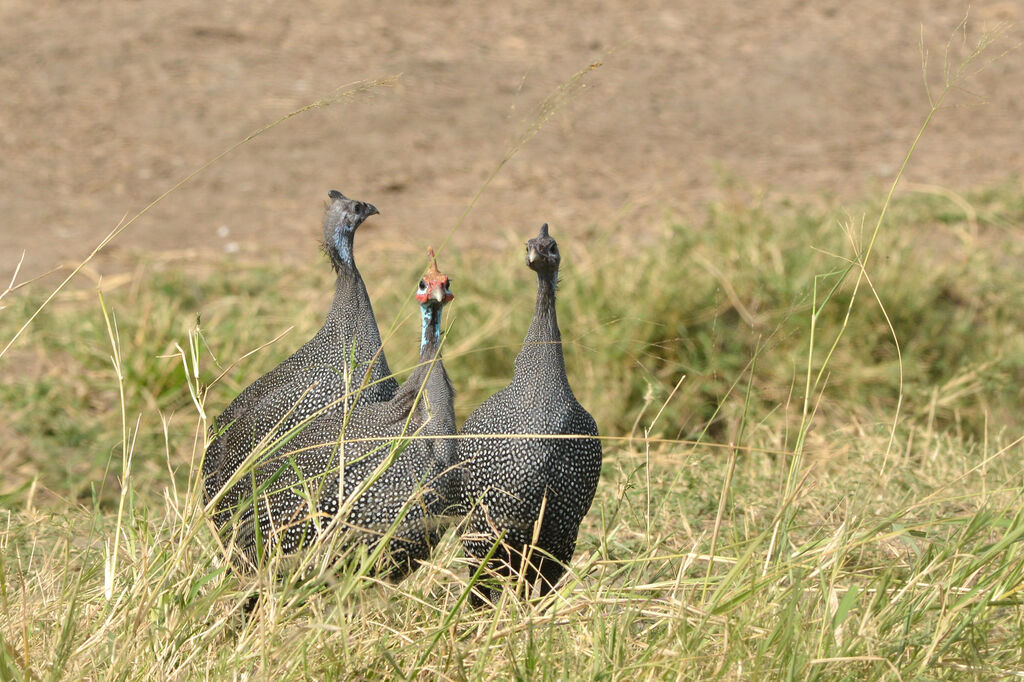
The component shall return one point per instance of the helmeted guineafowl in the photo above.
(342, 362)
(511, 483)
(388, 484)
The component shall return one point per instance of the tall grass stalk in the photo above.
(952, 81)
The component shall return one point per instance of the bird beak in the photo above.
(371, 210)
(531, 254)
(437, 293)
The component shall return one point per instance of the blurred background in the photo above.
(107, 104)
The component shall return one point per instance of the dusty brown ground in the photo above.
(107, 104)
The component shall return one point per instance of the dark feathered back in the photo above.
(407, 488)
(342, 363)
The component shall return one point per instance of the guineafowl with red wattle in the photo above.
(371, 472)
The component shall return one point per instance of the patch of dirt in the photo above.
(107, 104)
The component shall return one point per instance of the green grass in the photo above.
(892, 549)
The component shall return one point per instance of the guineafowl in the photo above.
(389, 484)
(512, 484)
(343, 361)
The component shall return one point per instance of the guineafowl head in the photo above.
(434, 287)
(343, 216)
(542, 252)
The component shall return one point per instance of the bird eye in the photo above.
(423, 284)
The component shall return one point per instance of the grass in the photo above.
(896, 559)
(812, 456)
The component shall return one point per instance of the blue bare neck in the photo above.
(430, 337)
(343, 246)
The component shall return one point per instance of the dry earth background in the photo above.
(107, 104)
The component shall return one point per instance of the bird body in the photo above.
(343, 363)
(524, 489)
(357, 472)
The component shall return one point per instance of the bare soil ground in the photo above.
(106, 105)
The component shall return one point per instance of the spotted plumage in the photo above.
(342, 364)
(511, 483)
(355, 473)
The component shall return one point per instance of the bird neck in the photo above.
(349, 305)
(341, 253)
(430, 336)
(542, 347)
(429, 380)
